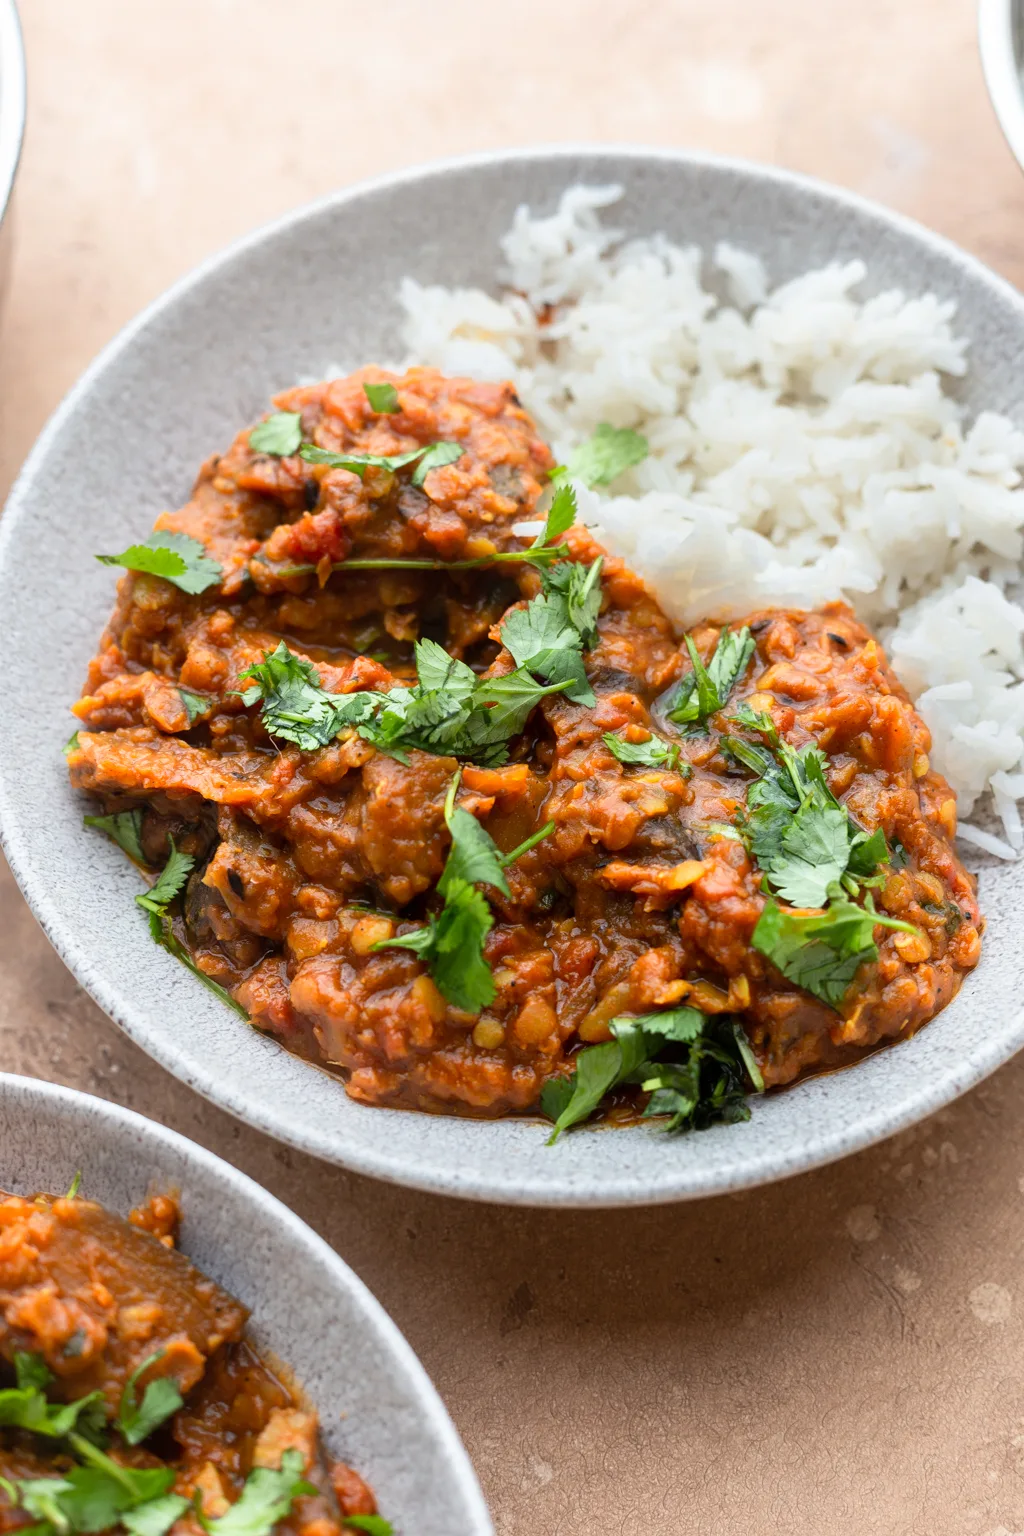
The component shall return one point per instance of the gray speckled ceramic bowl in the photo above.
(1001, 44)
(12, 122)
(377, 1407)
(319, 287)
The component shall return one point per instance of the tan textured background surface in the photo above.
(840, 1354)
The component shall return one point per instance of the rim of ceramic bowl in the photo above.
(171, 1150)
(349, 1149)
(12, 99)
(1000, 37)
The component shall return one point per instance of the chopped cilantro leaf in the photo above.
(507, 704)
(176, 557)
(548, 636)
(266, 1499)
(653, 753)
(163, 933)
(196, 704)
(814, 850)
(542, 638)
(560, 517)
(598, 1069)
(155, 1517)
(372, 1525)
(430, 456)
(762, 828)
(866, 853)
(758, 759)
(125, 827)
(555, 1098)
(705, 690)
(746, 1055)
(796, 943)
(674, 1090)
(71, 745)
(450, 711)
(693, 1067)
(708, 1083)
(756, 720)
(73, 1188)
(31, 1370)
(474, 858)
(97, 1495)
(579, 587)
(704, 700)
(436, 457)
(38, 1496)
(822, 951)
(566, 668)
(794, 827)
(279, 435)
(476, 727)
(25, 1407)
(169, 883)
(295, 705)
(605, 455)
(380, 718)
(436, 671)
(137, 1418)
(358, 463)
(733, 655)
(382, 398)
(451, 944)
(539, 629)
(683, 1025)
(406, 717)
(138, 1483)
(707, 1087)
(155, 903)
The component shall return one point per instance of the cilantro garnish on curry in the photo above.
(434, 793)
(131, 1399)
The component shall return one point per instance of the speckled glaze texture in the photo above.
(319, 288)
(12, 127)
(378, 1409)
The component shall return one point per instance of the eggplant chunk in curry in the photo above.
(132, 1399)
(442, 801)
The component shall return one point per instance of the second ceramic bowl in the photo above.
(12, 122)
(378, 1410)
(1001, 42)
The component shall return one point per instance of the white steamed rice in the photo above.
(803, 448)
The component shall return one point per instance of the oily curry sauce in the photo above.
(637, 901)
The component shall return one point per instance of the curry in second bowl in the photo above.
(132, 1399)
